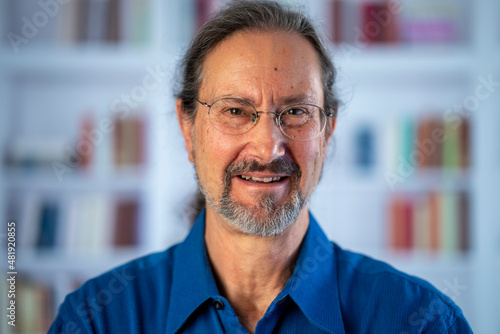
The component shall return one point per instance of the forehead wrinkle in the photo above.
(252, 67)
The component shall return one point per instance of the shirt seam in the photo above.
(314, 322)
(164, 255)
(76, 317)
(402, 276)
(454, 322)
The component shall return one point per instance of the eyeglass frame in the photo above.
(256, 117)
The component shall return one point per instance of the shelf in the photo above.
(435, 179)
(47, 180)
(376, 181)
(403, 60)
(79, 60)
(45, 262)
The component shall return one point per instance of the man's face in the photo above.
(271, 71)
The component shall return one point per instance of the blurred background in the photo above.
(94, 173)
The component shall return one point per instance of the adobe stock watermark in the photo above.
(407, 166)
(89, 309)
(31, 26)
(322, 252)
(120, 108)
(371, 29)
(437, 306)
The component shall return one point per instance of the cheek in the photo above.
(313, 157)
(213, 153)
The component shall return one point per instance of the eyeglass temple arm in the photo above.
(203, 103)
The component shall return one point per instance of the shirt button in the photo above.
(219, 305)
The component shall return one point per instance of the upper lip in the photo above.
(262, 175)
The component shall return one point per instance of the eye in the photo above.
(296, 112)
(235, 111)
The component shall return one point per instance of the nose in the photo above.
(266, 141)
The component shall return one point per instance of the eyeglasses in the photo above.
(234, 116)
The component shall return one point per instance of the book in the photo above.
(4, 304)
(97, 21)
(128, 140)
(408, 221)
(48, 225)
(126, 223)
(378, 23)
(464, 143)
(86, 157)
(113, 17)
(364, 147)
(451, 146)
(337, 30)
(35, 305)
(407, 140)
(434, 221)
(463, 222)
(449, 221)
(68, 22)
(94, 224)
(204, 9)
(421, 226)
(401, 223)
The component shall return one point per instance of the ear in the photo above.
(186, 128)
(330, 135)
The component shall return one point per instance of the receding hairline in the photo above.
(260, 31)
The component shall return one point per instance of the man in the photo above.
(257, 111)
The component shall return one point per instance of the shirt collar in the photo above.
(312, 286)
(192, 279)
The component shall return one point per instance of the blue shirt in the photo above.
(330, 291)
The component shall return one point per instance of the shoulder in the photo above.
(131, 291)
(152, 269)
(389, 298)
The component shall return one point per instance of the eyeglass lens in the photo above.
(235, 116)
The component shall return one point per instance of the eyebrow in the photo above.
(286, 100)
(294, 99)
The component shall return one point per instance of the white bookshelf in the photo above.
(432, 77)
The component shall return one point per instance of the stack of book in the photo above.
(88, 223)
(388, 21)
(431, 142)
(431, 221)
(80, 21)
(63, 155)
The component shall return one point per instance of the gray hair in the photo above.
(254, 16)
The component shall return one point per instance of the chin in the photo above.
(266, 218)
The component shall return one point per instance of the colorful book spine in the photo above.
(434, 221)
(378, 21)
(430, 142)
(129, 141)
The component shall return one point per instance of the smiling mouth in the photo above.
(262, 179)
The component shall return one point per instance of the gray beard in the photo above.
(265, 219)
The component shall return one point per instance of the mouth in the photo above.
(270, 179)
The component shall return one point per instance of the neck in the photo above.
(251, 270)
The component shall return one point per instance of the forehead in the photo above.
(261, 66)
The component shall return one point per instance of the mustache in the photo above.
(279, 166)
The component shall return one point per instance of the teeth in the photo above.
(258, 179)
